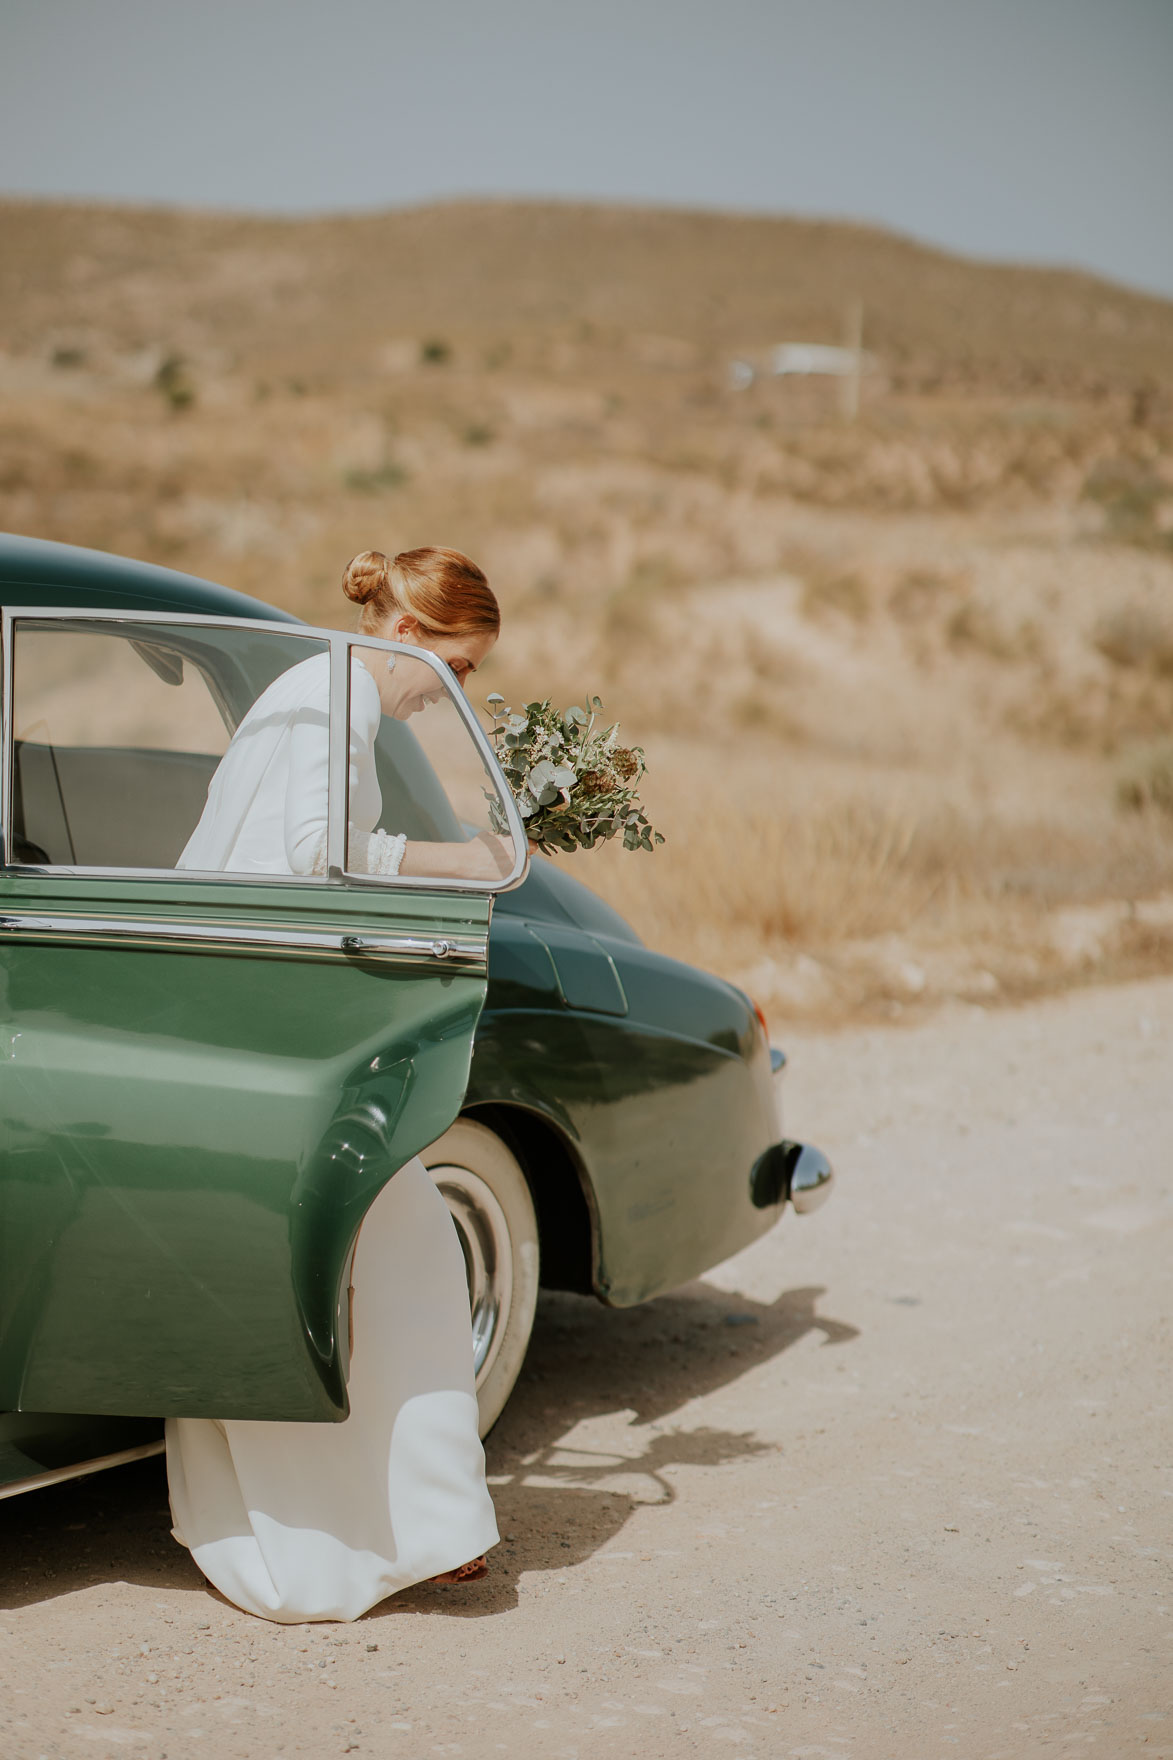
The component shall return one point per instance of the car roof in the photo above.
(34, 571)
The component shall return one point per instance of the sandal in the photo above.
(472, 1572)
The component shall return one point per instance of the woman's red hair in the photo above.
(445, 593)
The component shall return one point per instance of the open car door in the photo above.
(207, 1075)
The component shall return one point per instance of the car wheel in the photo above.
(487, 1193)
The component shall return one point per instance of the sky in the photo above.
(1024, 130)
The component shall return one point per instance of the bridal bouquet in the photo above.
(575, 786)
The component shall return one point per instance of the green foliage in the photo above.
(387, 475)
(575, 786)
(173, 383)
(1134, 499)
(435, 352)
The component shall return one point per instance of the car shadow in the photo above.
(557, 1504)
(655, 1357)
(112, 1528)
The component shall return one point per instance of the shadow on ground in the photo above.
(556, 1506)
(115, 1527)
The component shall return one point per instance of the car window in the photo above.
(430, 782)
(170, 745)
(118, 730)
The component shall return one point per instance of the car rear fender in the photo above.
(567, 1223)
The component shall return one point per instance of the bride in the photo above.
(295, 1521)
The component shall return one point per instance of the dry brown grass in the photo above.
(1138, 636)
(848, 907)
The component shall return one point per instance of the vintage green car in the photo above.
(207, 1077)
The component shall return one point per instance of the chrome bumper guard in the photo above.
(795, 1171)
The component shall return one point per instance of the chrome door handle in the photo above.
(417, 946)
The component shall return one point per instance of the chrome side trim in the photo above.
(81, 1469)
(222, 877)
(468, 951)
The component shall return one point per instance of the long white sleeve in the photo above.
(268, 801)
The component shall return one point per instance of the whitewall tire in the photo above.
(487, 1194)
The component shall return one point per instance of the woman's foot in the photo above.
(472, 1572)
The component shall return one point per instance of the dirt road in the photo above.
(896, 1482)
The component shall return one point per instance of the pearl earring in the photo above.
(390, 663)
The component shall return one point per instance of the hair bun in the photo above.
(365, 574)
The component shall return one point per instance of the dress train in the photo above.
(297, 1522)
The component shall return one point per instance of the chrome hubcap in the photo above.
(488, 1258)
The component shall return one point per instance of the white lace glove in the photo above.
(375, 852)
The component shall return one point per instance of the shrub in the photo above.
(845, 593)
(387, 475)
(1146, 780)
(173, 383)
(1136, 635)
(435, 352)
(920, 593)
(1132, 497)
(974, 626)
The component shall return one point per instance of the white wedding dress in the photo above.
(298, 1522)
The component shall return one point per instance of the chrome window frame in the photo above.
(338, 643)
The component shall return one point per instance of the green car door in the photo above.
(207, 1075)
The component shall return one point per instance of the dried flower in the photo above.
(597, 781)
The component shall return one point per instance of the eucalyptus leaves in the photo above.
(574, 786)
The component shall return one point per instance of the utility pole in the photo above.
(852, 340)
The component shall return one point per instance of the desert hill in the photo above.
(323, 293)
(906, 681)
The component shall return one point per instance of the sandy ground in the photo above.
(895, 1482)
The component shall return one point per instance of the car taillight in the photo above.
(762, 1021)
